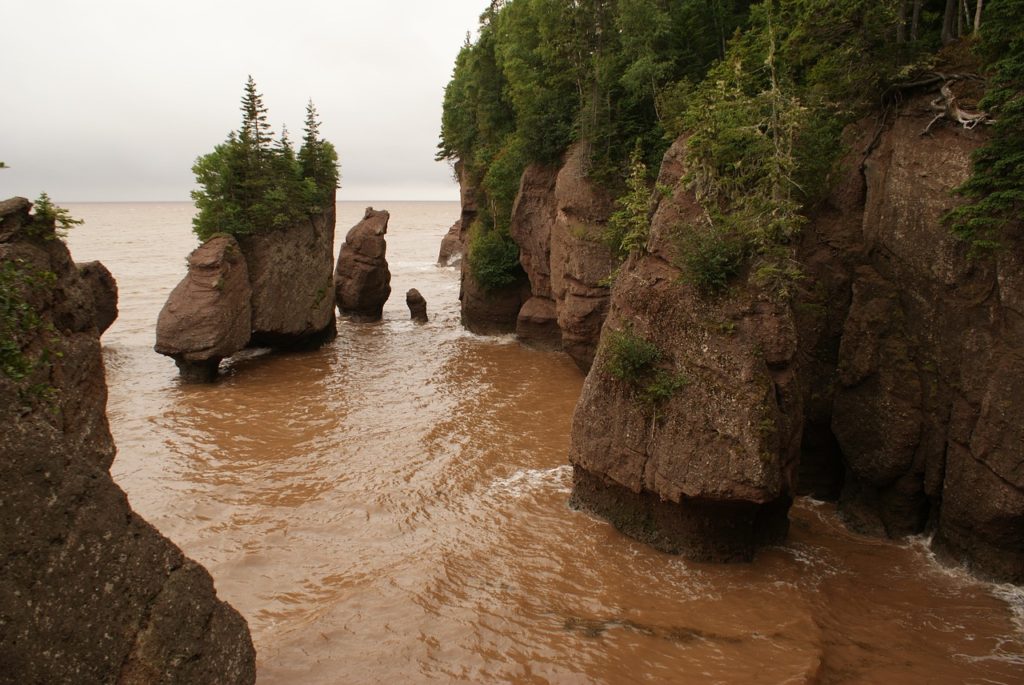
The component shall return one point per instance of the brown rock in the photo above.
(710, 471)
(208, 316)
(89, 592)
(916, 351)
(417, 306)
(537, 324)
(491, 312)
(580, 264)
(104, 291)
(451, 246)
(291, 278)
(483, 311)
(362, 282)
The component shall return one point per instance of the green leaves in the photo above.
(249, 185)
(493, 258)
(629, 224)
(23, 359)
(638, 362)
(995, 190)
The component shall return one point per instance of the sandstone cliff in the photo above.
(894, 378)
(292, 275)
(708, 469)
(557, 221)
(89, 592)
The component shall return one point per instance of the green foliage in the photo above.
(629, 224)
(493, 257)
(995, 190)
(20, 325)
(710, 257)
(551, 73)
(252, 184)
(637, 361)
(49, 220)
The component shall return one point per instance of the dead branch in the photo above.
(948, 108)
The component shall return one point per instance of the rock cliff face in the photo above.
(362, 281)
(485, 312)
(894, 379)
(208, 316)
(89, 592)
(291, 273)
(557, 221)
(708, 470)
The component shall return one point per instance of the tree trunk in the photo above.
(916, 20)
(977, 16)
(949, 17)
(901, 23)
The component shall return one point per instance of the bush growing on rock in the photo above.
(638, 362)
(493, 258)
(253, 184)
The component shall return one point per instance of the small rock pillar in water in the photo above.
(417, 306)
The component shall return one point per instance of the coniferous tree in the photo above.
(251, 183)
(318, 162)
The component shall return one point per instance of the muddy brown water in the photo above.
(392, 509)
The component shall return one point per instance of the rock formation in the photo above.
(557, 222)
(533, 219)
(893, 378)
(291, 278)
(708, 470)
(417, 306)
(452, 246)
(89, 592)
(580, 264)
(362, 282)
(104, 293)
(208, 316)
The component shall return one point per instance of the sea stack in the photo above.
(104, 293)
(208, 316)
(417, 306)
(362, 281)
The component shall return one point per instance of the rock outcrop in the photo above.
(893, 379)
(290, 270)
(557, 221)
(89, 592)
(104, 293)
(707, 471)
(208, 316)
(925, 346)
(362, 282)
(452, 246)
(417, 306)
(580, 263)
(533, 218)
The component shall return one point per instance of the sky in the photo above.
(113, 100)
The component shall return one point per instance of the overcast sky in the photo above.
(114, 99)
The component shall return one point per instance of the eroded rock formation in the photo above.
(290, 271)
(417, 306)
(89, 592)
(104, 293)
(362, 281)
(557, 221)
(452, 246)
(893, 379)
(208, 315)
(709, 470)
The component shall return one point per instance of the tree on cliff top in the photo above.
(250, 184)
(996, 188)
